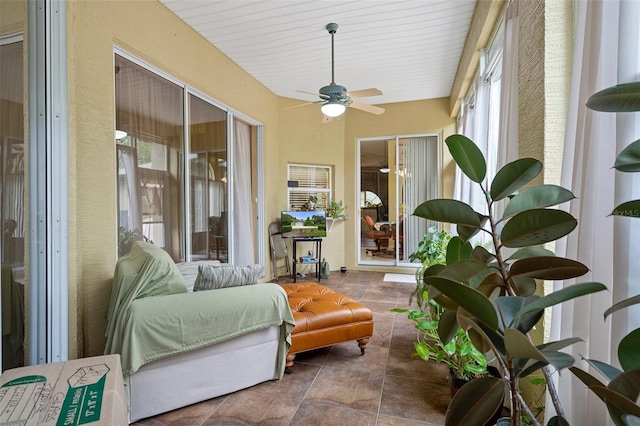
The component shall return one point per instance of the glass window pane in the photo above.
(149, 110)
(208, 162)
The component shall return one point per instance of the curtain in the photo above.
(607, 245)
(508, 131)
(420, 164)
(243, 218)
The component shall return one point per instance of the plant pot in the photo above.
(503, 421)
(455, 383)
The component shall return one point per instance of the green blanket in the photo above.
(151, 317)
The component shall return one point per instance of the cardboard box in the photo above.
(77, 392)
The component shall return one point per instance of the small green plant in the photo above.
(465, 362)
(336, 210)
(432, 250)
(126, 238)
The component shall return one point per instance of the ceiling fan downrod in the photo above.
(332, 28)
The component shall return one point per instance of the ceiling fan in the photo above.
(335, 98)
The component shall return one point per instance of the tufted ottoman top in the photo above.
(317, 307)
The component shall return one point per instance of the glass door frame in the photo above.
(394, 262)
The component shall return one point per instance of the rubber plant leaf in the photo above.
(559, 360)
(617, 404)
(537, 226)
(559, 344)
(562, 295)
(526, 252)
(447, 326)
(457, 250)
(622, 304)
(491, 337)
(586, 378)
(469, 299)
(628, 209)
(620, 98)
(463, 270)
(509, 305)
(628, 353)
(608, 371)
(537, 197)
(626, 384)
(548, 268)
(481, 254)
(468, 157)
(476, 402)
(526, 286)
(514, 176)
(629, 159)
(448, 211)
(519, 346)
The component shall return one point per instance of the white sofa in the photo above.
(179, 347)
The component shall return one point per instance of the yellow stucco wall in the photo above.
(147, 30)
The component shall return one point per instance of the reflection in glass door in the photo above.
(12, 196)
(396, 175)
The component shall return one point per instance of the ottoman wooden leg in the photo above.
(362, 343)
(289, 363)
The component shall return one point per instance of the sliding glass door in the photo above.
(396, 175)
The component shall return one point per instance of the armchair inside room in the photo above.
(278, 248)
(218, 237)
(380, 236)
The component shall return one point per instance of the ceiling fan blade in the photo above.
(296, 106)
(314, 94)
(367, 108)
(364, 93)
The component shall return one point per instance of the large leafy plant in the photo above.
(622, 390)
(491, 294)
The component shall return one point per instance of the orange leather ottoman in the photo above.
(324, 318)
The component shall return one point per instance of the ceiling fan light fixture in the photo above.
(385, 169)
(332, 108)
(120, 134)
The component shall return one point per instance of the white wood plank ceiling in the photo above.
(409, 49)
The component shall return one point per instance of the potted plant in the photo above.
(464, 361)
(490, 294)
(336, 210)
(431, 250)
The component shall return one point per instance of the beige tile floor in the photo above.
(337, 386)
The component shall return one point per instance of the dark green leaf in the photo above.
(559, 344)
(476, 402)
(559, 360)
(510, 305)
(562, 295)
(618, 405)
(586, 378)
(537, 197)
(608, 371)
(557, 421)
(620, 98)
(628, 353)
(519, 346)
(463, 270)
(629, 159)
(469, 299)
(467, 232)
(525, 252)
(449, 211)
(447, 326)
(525, 286)
(514, 176)
(622, 304)
(468, 157)
(548, 268)
(538, 226)
(627, 384)
(481, 254)
(458, 250)
(628, 209)
(477, 280)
